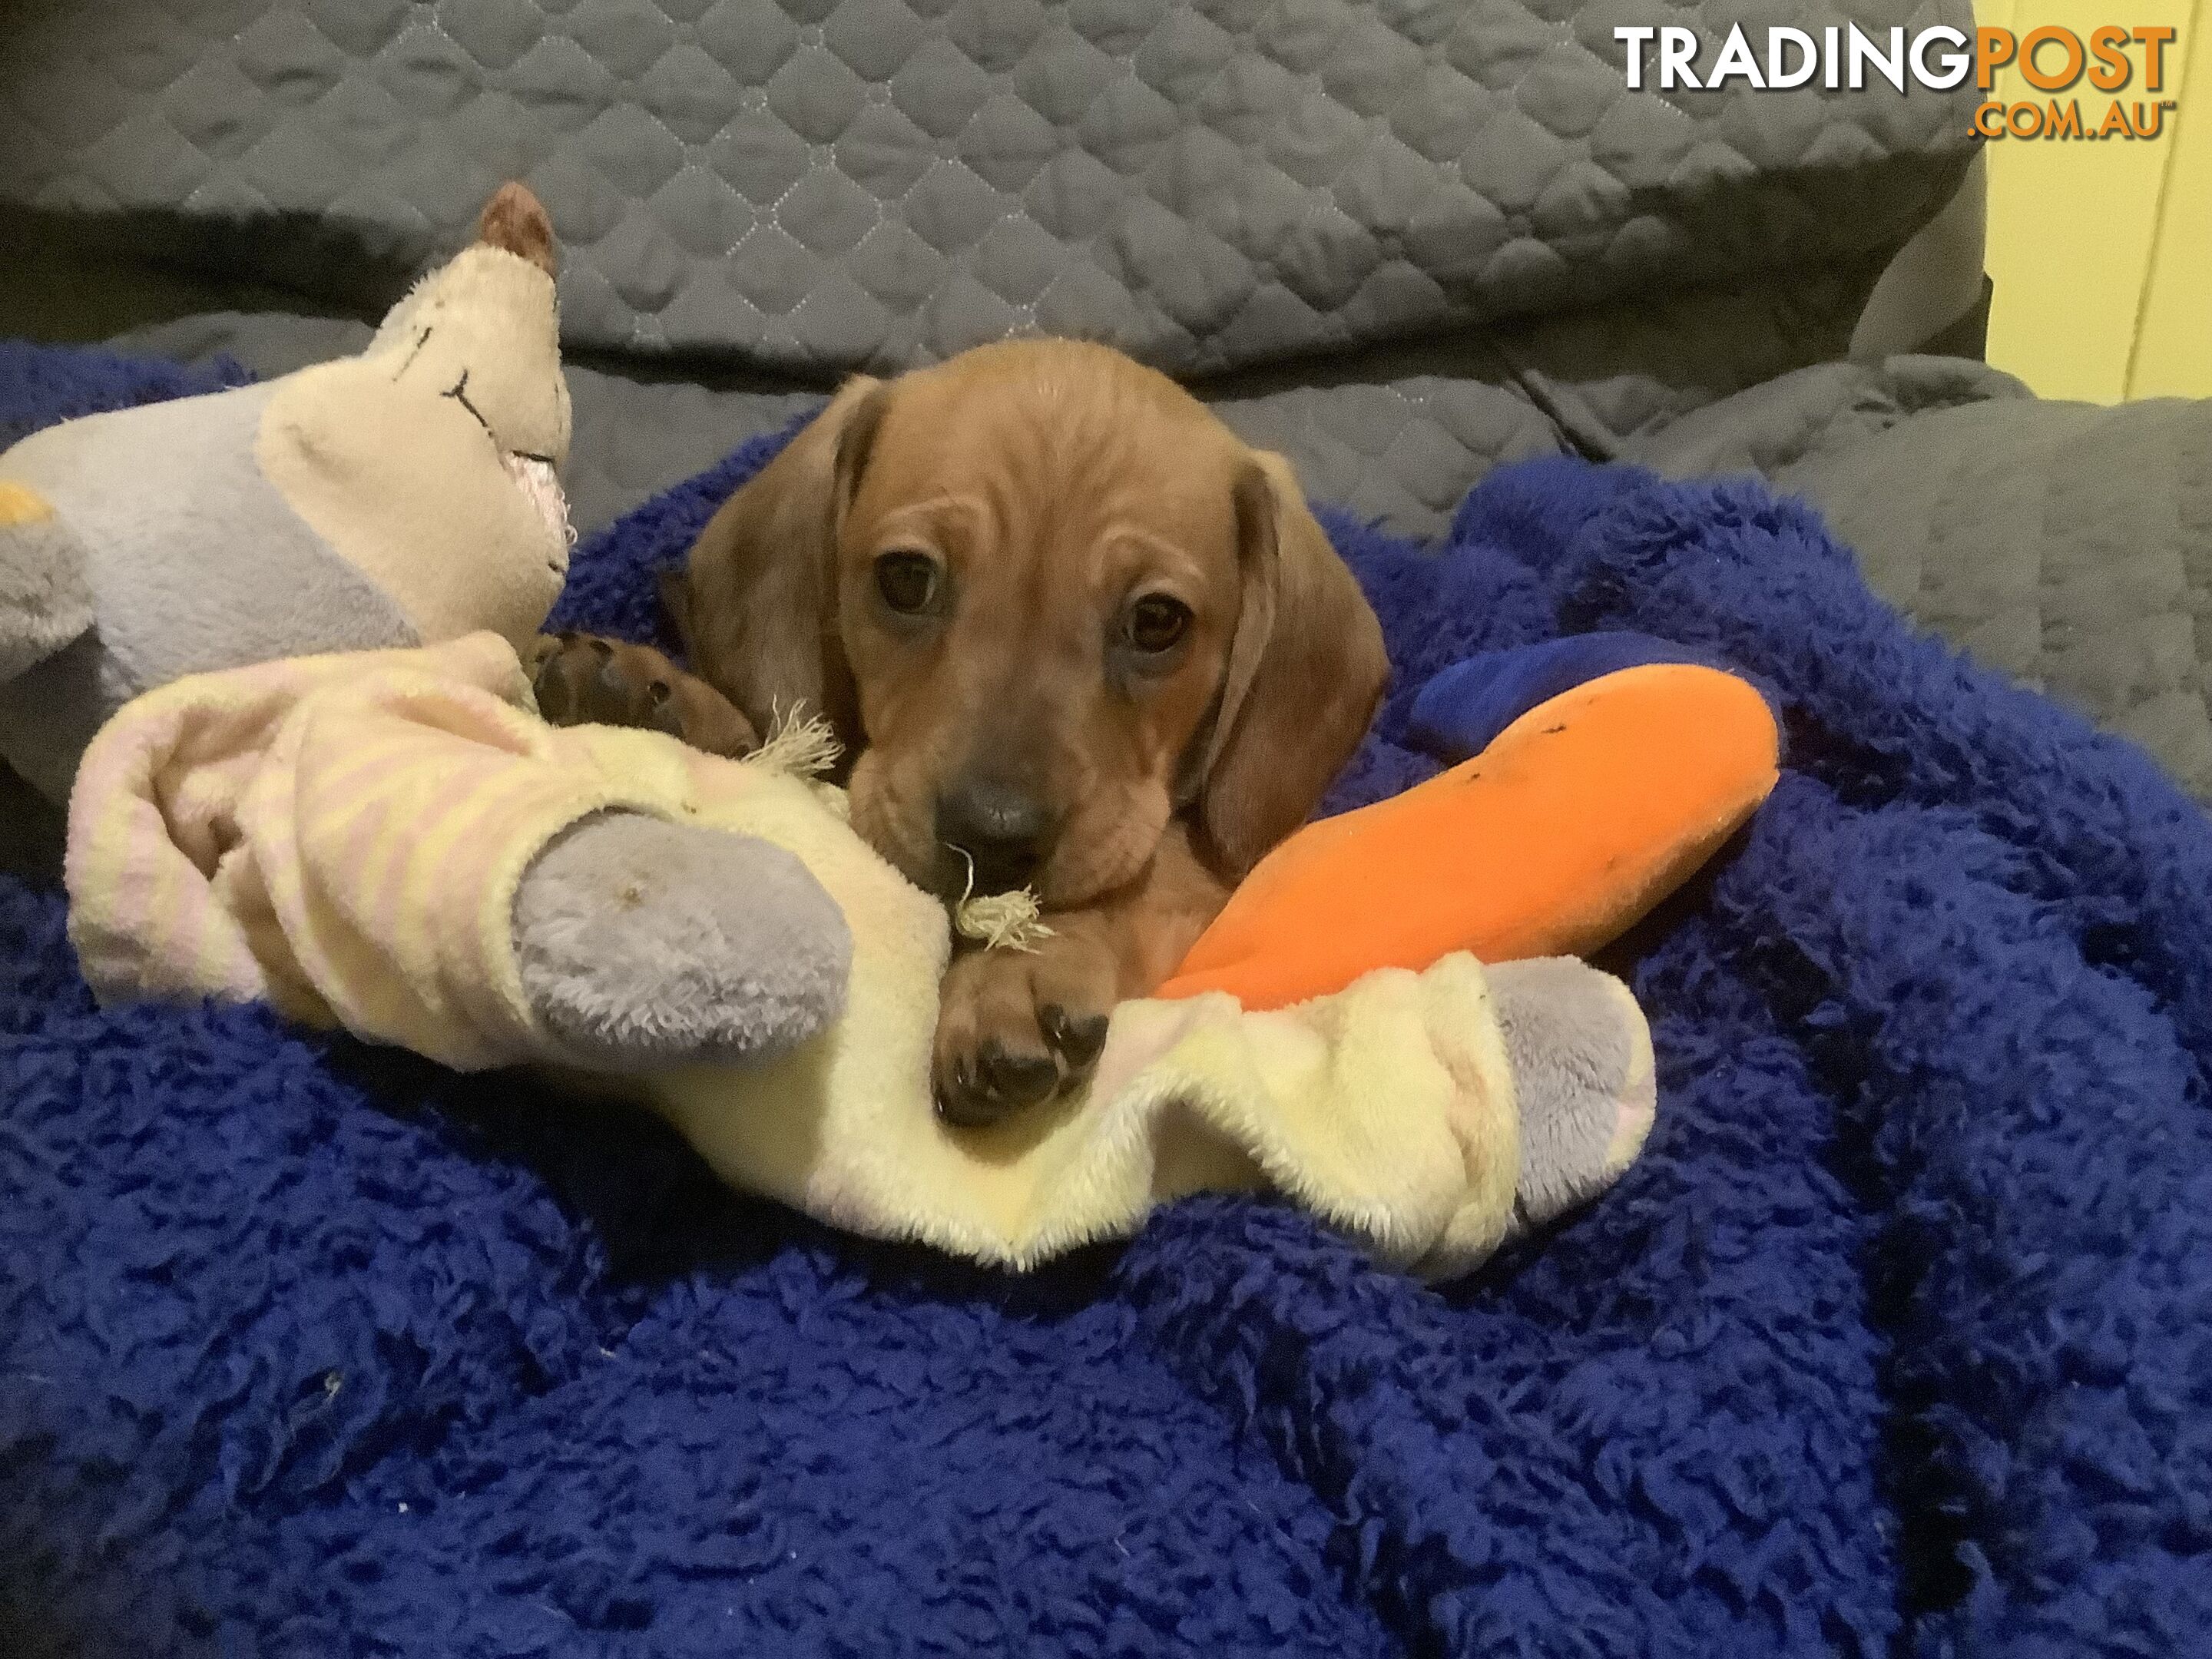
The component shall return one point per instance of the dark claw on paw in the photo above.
(1018, 1079)
(964, 1109)
(1077, 1040)
(956, 1100)
(994, 1083)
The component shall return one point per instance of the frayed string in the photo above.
(804, 745)
(999, 922)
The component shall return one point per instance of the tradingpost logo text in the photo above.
(2101, 84)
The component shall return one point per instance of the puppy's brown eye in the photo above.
(908, 581)
(1156, 622)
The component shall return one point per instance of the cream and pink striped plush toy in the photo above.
(395, 843)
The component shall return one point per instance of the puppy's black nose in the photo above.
(1007, 831)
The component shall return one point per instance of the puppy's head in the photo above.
(1052, 601)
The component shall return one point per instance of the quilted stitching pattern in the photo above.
(1401, 452)
(1622, 372)
(2067, 545)
(825, 184)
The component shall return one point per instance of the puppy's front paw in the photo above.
(1015, 1027)
(582, 679)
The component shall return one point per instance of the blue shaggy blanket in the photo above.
(1898, 1339)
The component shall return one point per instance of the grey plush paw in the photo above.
(647, 943)
(1581, 1053)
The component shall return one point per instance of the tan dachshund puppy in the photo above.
(1076, 636)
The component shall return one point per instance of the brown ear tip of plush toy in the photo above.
(517, 221)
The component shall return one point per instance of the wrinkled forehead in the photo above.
(1060, 460)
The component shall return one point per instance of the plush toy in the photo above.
(401, 497)
(343, 835)
(394, 499)
(1596, 773)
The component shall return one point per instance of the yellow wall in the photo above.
(2101, 252)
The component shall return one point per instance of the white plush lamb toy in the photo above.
(403, 497)
(407, 497)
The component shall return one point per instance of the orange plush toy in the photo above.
(1606, 769)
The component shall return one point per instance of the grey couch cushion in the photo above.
(1402, 451)
(2067, 545)
(835, 183)
(1791, 421)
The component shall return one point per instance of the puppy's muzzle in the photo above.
(1006, 831)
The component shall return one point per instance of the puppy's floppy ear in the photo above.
(758, 605)
(1306, 669)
